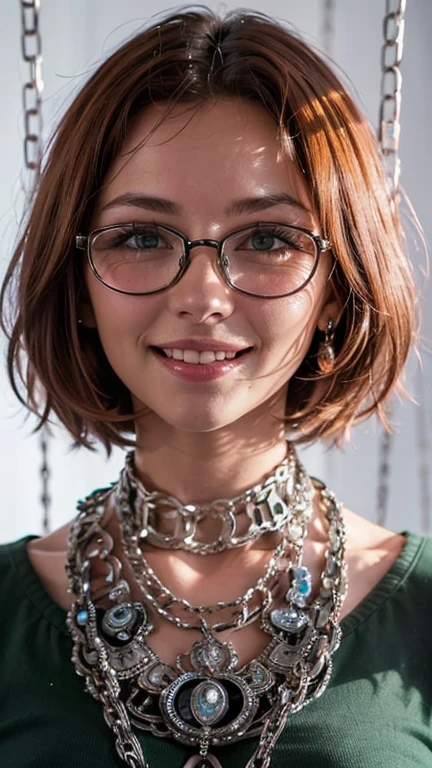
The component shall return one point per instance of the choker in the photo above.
(205, 699)
(264, 508)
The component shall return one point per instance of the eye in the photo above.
(274, 239)
(139, 239)
(143, 240)
(263, 241)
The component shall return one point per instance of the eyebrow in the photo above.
(247, 205)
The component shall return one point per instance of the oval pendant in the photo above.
(203, 762)
(209, 702)
(223, 705)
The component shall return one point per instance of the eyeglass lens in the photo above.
(268, 260)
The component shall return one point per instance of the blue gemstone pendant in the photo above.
(289, 619)
(209, 702)
(220, 706)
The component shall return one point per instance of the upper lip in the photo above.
(203, 345)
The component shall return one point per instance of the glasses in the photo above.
(268, 260)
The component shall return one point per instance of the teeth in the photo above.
(193, 356)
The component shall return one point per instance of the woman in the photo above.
(212, 264)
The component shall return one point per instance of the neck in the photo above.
(202, 467)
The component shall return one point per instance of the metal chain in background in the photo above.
(32, 90)
(31, 46)
(328, 26)
(388, 135)
(391, 83)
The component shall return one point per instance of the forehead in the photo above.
(204, 155)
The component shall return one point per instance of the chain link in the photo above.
(391, 84)
(388, 136)
(383, 476)
(127, 744)
(31, 48)
(45, 497)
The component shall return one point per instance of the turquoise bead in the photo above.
(82, 617)
(303, 587)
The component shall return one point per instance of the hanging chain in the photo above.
(31, 46)
(328, 26)
(32, 90)
(388, 136)
(45, 473)
(391, 83)
(383, 476)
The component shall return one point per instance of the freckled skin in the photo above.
(204, 160)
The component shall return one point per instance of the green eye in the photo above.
(263, 242)
(145, 240)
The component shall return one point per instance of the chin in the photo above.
(197, 423)
(193, 419)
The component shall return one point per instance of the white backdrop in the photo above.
(79, 33)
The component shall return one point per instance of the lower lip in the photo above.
(197, 372)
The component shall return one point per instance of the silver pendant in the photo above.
(289, 619)
(223, 705)
(197, 761)
(210, 656)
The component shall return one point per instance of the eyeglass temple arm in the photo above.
(81, 242)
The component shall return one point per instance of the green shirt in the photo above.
(375, 713)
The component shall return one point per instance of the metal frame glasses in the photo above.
(85, 242)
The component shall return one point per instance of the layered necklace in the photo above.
(206, 698)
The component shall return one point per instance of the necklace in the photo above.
(295, 516)
(262, 509)
(204, 699)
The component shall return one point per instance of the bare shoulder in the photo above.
(48, 555)
(374, 541)
(371, 552)
(51, 543)
(56, 542)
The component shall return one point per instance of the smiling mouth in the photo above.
(241, 352)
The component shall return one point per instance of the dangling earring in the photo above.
(326, 355)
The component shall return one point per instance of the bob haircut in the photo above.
(193, 56)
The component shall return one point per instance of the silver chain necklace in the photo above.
(261, 509)
(204, 699)
(163, 600)
(292, 512)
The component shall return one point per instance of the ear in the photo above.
(330, 310)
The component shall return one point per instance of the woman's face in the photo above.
(203, 163)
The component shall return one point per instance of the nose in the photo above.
(202, 293)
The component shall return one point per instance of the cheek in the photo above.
(119, 316)
(287, 328)
(285, 319)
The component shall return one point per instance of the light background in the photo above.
(76, 35)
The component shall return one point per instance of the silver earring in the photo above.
(326, 355)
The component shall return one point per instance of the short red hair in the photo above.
(194, 57)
